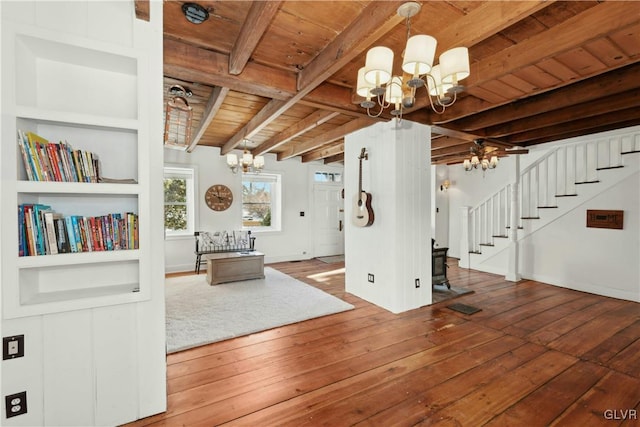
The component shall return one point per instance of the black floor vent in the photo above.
(463, 308)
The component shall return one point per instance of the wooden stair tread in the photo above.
(609, 167)
(486, 244)
(566, 195)
(502, 236)
(630, 152)
(587, 182)
(530, 217)
(547, 207)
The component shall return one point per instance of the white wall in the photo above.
(596, 260)
(566, 252)
(439, 206)
(294, 242)
(396, 248)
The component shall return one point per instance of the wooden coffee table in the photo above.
(234, 266)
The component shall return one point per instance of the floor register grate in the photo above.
(463, 308)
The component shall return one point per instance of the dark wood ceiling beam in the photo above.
(610, 102)
(614, 82)
(376, 20)
(579, 133)
(186, 62)
(593, 23)
(462, 148)
(333, 97)
(312, 121)
(325, 138)
(269, 113)
(324, 152)
(581, 124)
(338, 158)
(142, 8)
(442, 141)
(218, 94)
(258, 20)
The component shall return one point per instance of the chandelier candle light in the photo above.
(376, 78)
(247, 161)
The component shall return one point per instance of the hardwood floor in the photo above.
(536, 355)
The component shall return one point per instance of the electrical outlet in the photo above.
(16, 404)
(370, 277)
(417, 283)
(12, 347)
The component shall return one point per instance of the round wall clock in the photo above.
(218, 197)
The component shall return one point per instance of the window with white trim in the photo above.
(321, 176)
(179, 201)
(261, 201)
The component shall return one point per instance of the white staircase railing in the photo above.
(559, 173)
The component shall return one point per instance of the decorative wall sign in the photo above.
(605, 219)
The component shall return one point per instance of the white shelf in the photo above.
(49, 187)
(78, 294)
(77, 258)
(77, 299)
(75, 119)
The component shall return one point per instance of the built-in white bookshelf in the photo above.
(85, 93)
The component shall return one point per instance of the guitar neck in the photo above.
(360, 178)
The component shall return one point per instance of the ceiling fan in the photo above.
(486, 156)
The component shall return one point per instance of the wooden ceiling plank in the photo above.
(356, 38)
(327, 137)
(376, 20)
(258, 20)
(323, 152)
(611, 83)
(313, 120)
(588, 109)
(583, 132)
(193, 64)
(486, 21)
(576, 125)
(481, 24)
(270, 112)
(143, 10)
(591, 24)
(218, 95)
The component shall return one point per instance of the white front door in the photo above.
(328, 219)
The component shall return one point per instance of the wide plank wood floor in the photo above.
(536, 355)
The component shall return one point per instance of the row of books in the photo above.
(45, 232)
(49, 161)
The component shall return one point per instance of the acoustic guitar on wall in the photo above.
(362, 211)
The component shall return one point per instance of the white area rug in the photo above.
(198, 313)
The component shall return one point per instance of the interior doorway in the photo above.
(328, 219)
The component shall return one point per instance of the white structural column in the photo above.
(389, 262)
(513, 274)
